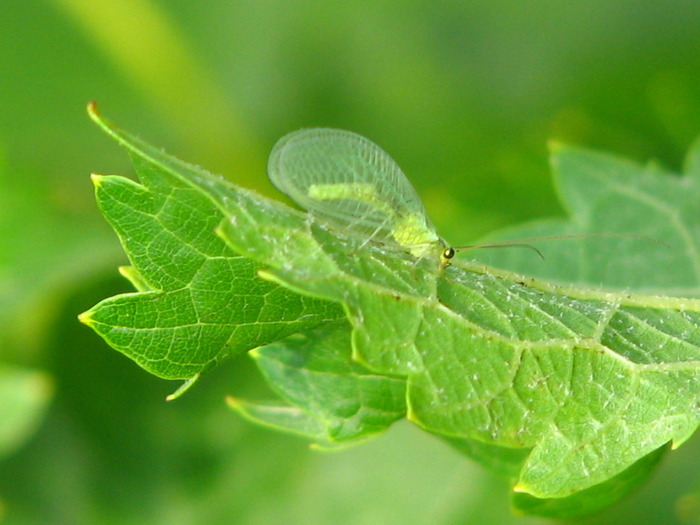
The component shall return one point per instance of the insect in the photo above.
(348, 181)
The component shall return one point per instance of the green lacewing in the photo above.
(346, 180)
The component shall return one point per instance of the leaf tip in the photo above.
(86, 318)
(93, 112)
(96, 179)
(183, 388)
(240, 406)
(521, 487)
(132, 275)
(92, 108)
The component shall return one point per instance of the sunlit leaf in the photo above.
(197, 302)
(585, 382)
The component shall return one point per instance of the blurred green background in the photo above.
(464, 95)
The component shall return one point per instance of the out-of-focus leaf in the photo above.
(657, 210)
(25, 395)
(43, 255)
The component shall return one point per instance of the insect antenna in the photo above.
(504, 244)
(523, 243)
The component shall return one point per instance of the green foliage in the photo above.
(25, 395)
(197, 301)
(590, 383)
(463, 94)
(330, 399)
(605, 193)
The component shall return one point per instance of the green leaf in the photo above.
(331, 399)
(590, 380)
(198, 302)
(594, 498)
(579, 383)
(610, 195)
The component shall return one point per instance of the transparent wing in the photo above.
(347, 180)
